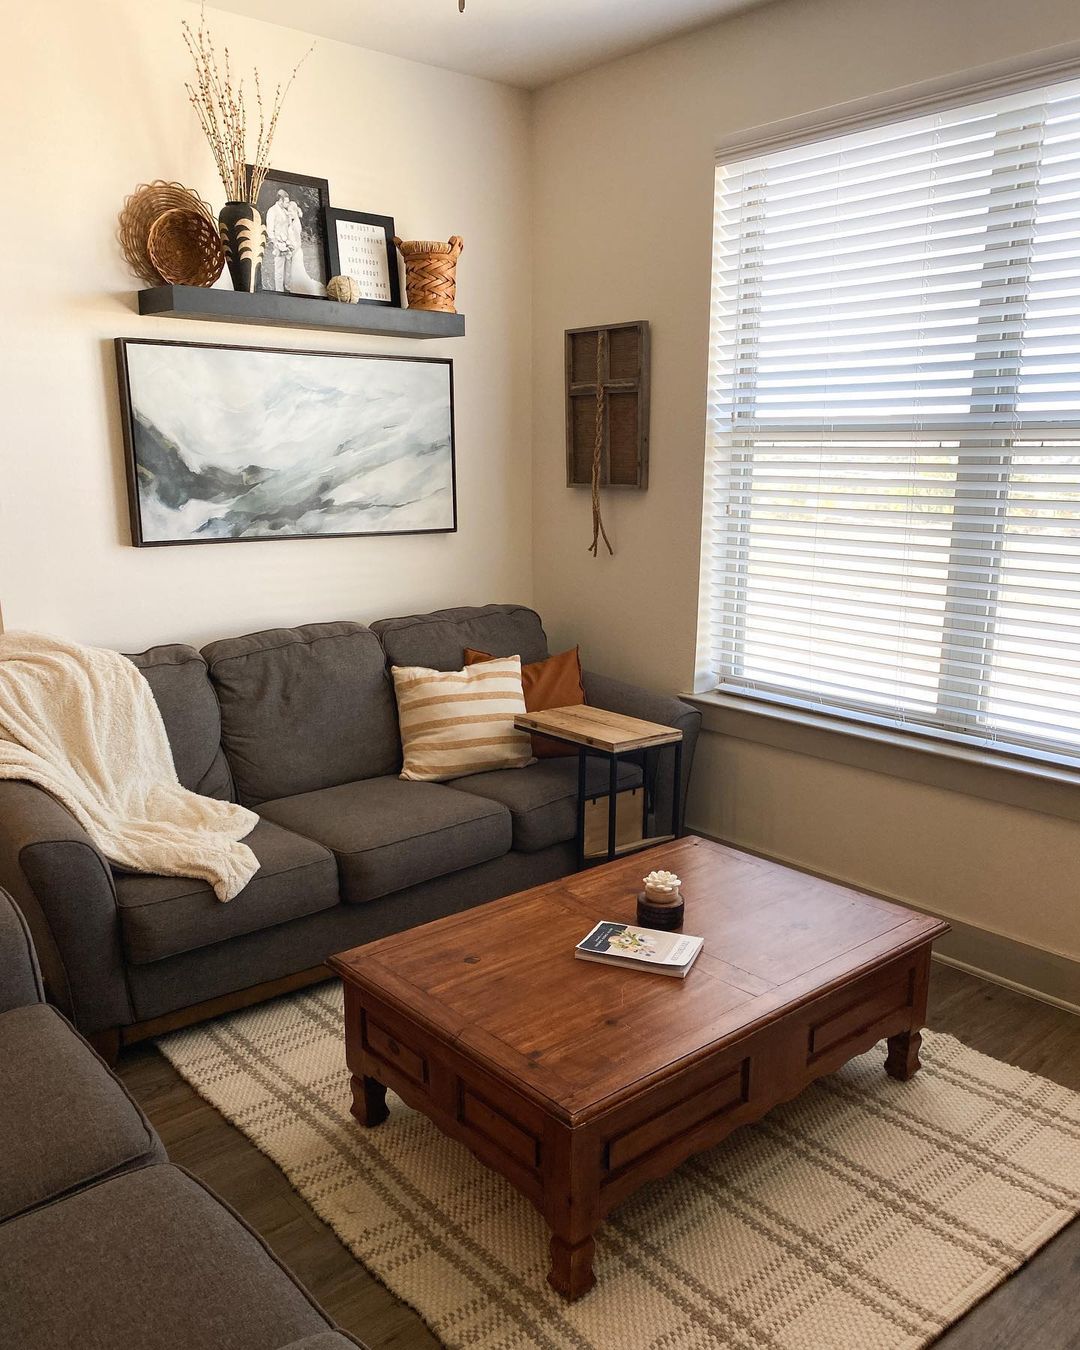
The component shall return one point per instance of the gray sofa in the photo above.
(103, 1243)
(300, 725)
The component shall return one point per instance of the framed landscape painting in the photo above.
(249, 443)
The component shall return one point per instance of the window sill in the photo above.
(1012, 781)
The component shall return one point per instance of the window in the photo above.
(892, 507)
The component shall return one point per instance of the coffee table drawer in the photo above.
(392, 1047)
(863, 1012)
(729, 1090)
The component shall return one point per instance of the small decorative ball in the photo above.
(345, 289)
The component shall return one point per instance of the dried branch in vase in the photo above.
(222, 113)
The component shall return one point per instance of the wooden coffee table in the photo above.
(579, 1082)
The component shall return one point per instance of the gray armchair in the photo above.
(102, 1241)
(20, 975)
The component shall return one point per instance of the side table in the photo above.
(614, 737)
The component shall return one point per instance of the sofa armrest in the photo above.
(64, 887)
(20, 975)
(630, 699)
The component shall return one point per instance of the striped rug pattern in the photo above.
(865, 1215)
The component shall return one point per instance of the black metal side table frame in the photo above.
(614, 850)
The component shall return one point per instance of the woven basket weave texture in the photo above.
(141, 209)
(431, 272)
(185, 247)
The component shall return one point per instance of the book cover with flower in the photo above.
(620, 941)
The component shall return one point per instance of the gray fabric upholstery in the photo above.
(326, 1340)
(148, 1259)
(630, 699)
(388, 834)
(438, 640)
(189, 708)
(542, 799)
(161, 916)
(304, 708)
(64, 888)
(20, 976)
(64, 1118)
(301, 710)
(267, 955)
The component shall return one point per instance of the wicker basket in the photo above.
(431, 272)
(185, 247)
(141, 209)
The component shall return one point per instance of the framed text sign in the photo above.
(361, 246)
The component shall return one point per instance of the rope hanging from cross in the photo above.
(598, 446)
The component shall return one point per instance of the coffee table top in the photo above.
(614, 732)
(501, 983)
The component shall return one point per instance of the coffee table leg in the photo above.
(903, 1058)
(571, 1271)
(369, 1101)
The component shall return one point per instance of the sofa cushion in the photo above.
(150, 1260)
(388, 834)
(438, 640)
(189, 708)
(161, 916)
(64, 1119)
(542, 799)
(304, 708)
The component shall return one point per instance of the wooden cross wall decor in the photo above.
(622, 397)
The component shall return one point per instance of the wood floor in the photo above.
(1038, 1308)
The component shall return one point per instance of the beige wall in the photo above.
(91, 104)
(622, 230)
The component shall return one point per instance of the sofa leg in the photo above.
(107, 1044)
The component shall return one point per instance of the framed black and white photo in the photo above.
(361, 246)
(293, 209)
(246, 443)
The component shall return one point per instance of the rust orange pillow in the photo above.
(554, 683)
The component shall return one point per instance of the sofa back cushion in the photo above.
(438, 640)
(304, 708)
(178, 678)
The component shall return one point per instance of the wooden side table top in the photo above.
(500, 982)
(597, 728)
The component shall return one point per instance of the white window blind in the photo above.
(892, 517)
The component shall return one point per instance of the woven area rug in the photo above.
(865, 1214)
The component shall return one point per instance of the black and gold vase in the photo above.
(244, 238)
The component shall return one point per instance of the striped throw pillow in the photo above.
(460, 721)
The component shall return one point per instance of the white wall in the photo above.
(91, 104)
(623, 185)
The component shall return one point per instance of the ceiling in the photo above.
(523, 42)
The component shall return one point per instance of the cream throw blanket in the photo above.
(81, 722)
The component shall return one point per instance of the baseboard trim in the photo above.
(993, 978)
(1034, 971)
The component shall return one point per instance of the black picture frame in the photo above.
(135, 465)
(335, 214)
(312, 195)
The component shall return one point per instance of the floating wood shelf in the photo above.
(290, 311)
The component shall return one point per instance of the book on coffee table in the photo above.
(621, 944)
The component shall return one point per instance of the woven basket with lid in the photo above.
(431, 272)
